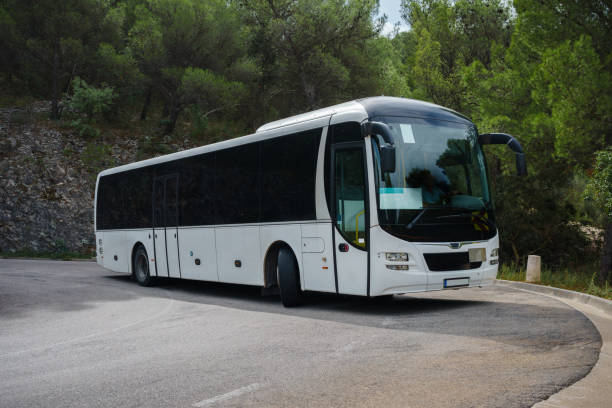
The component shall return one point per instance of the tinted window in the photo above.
(110, 202)
(171, 208)
(196, 198)
(124, 200)
(273, 180)
(237, 185)
(339, 133)
(136, 192)
(158, 202)
(289, 166)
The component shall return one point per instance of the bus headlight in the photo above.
(494, 252)
(396, 256)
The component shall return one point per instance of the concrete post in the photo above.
(534, 265)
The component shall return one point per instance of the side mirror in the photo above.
(387, 152)
(512, 143)
(521, 164)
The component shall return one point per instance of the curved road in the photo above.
(73, 334)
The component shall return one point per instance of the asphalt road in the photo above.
(75, 335)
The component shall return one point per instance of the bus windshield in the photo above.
(439, 189)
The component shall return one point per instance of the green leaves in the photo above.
(578, 90)
(89, 100)
(207, 89)
(313, 53)
(599, 188)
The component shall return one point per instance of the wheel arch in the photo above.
(271, 262)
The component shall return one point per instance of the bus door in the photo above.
(349, 192)
(165, 223)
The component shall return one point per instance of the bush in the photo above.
(84, 129)
(90, 101)
(97, 156)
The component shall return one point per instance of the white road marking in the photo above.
(347, 348)
(231, 394)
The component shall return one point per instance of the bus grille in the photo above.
(453, 261)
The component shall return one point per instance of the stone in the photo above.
(534, 265)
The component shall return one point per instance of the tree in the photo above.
(450, 36)
(544, 24)
(551, 88)
(599, 190)
(578, 90)
(55, 40)
(180, 42)
(313, 53)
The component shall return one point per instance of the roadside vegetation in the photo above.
(581, 279)
(168, 73)
(59, 252)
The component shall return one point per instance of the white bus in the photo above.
(373, 197)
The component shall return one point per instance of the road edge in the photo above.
(93, 259)
(588, 392)
(602, 304)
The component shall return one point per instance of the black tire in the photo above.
(383, 298)
(288, 276)
(140, 265)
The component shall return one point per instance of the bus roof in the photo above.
(376, 106)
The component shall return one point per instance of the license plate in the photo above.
(456, 282)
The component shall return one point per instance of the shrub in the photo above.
(90, 101)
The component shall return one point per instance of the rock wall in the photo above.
(46, 188)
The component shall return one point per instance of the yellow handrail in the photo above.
(357, 227)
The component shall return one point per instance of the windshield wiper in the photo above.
(415, 219)
(464, 213)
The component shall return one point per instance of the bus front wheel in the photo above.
(141, 267)
(288, 278)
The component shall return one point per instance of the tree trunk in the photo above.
(145, 107)
(55, 83)
(517, 257)
(171, 123)
(309, 91)
(606, 256)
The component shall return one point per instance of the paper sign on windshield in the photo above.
(407, 134)
(394, 198)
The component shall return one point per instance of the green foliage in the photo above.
(90, 101)
(48, 40)
(572, 81)
(579, 279)
(84, 129)
(97, 156)
(313, 53)
(599, 188)
(60, 255)
(153, 146)
(185, 47)
(450, 36)
(120, 68)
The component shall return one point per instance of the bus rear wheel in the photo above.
(141, 267)
(288, 278)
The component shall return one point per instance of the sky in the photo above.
(392, 9)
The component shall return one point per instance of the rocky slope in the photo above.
(47, 182)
